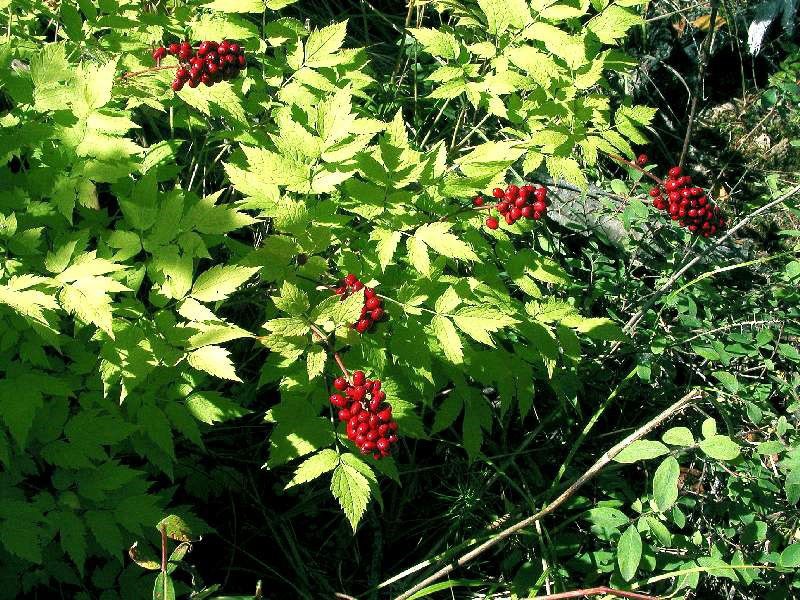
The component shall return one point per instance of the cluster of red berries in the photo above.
(516, 202)
(688, 204)
(210, 63)
(369, 419)
(371, 311)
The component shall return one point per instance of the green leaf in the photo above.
(214, 360)
(613, 23)
(323, 43)
(418, 255)
(665, 483)
(629, 552)
(351, 488)
(497, 15)
(600, 328)
(641, 450)
(720, 447)
(236, 6)
(212, 407)
(314, 466)
(73, 536)
(678, 436)
(21, 537)
(477, 418)
(176, 528)
(18, 407)
(163, 588)
(448, 338)
(728, 380)
(292, 299)
(106, 531)
(437, 42)
(790, 557)
(220, 281)
(315, 362)
(386, 246)
(709, 427)
(478, 321)
(438, 238)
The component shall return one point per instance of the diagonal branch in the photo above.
(598, 466)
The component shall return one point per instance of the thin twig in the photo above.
(324, 339)
(701, 71)
(594, 592)
(130, 74)
(598, 466)
(633, 165)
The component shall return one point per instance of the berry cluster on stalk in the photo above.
(368, 417)
(210, 63)
(373, 306)
(688, 204)
(516, 203)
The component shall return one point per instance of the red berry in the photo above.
(527, 212)
(177, 85)
(492, 223)
(359, 378)
(675, 172)
(344, 415)
(385, 415)
(182, 74)
(498, 193)
(338, 400)
(159, 53)
(242, 61)
(340, 383)
(377, 314)
(655, 192)
(642, 160)
(174, 48)
(516, 213)
(539, 206)
(351, 279)
(383, 444)
(477, 201)
(372, 303)
(234, 48)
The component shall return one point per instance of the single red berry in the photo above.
(540, 193)
(539, 206)
(344, 415)
(512, 191)
(350, 279)
(383, 444)
(182, 73)
(177, 85)
(363, 325)
(502, 207)
(193, 83)
(174, 48)
(492, 223)
(224, 47)
(509, 219)
(527, 212)
(212, 69)
(642, 160)
(498, 193)
(206, 79)
(359, 378)
(242, 61)
(372, 303)
(234, 48)
(655, 192)
(159, 53)
(675, 172)
(340, 383)
(516, 213)
(477, 201)
(377, 314)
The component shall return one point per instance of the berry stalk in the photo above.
(131, 74)
(324, 339)
(632, 165)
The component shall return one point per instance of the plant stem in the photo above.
(590, 474)
(131, 74)
(704, 51)
(595, 591)
(632, 165)
(324, 339)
